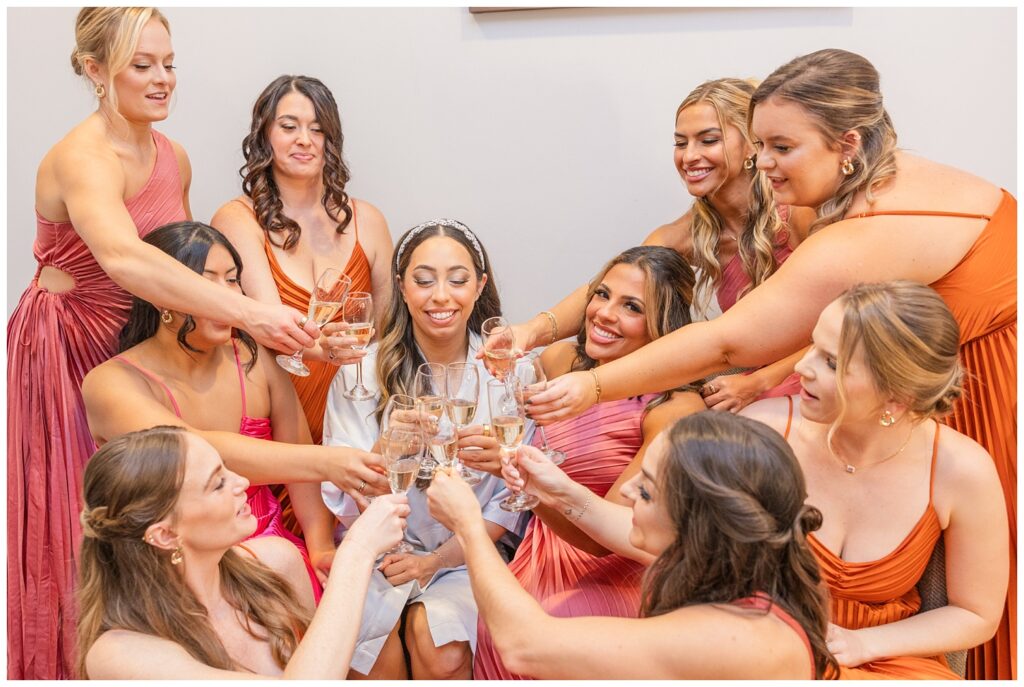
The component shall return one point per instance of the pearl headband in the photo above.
(451, 224)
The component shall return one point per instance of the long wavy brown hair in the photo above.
(258, 171)
(125, 583)
(668, 293)
(840, 91)
(730, 99)
(398, 356)
(736, 494)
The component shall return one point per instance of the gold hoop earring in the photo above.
(847, 167)
(748, 164)
(166, 317)
(177, 556)
(887, 419)
(100, 91)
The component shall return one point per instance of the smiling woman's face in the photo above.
(616, 320)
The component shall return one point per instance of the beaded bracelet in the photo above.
(440, 556)
(554, 324)
(597, 384)
(586, 505)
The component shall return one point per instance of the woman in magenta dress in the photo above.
(111, 180)
(640, 295)
(178, 369)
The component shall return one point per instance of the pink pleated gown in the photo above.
(567, 582)
(53, 340)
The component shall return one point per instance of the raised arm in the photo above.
(91, 183)
(324, 652)
(118, 400)
(695, 642)
(767, 324)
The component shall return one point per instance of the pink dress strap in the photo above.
(763, 602)
(150, 375)
(256, 427)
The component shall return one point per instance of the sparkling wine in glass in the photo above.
(530, 372)
(499, 346)
(402, 449)
(358, 315)
(508, 421)
(463, 396)
(325, 300)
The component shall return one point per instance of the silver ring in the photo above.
(712, 389)
(362, 486)
(303, 320)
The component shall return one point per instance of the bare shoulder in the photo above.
(558, 358)
(773, 412)
(679, 405)
(675, 235)
(370, 218)
(236, 220)
(184, 165)
(964, 468)
(128, 655)
(112, 375)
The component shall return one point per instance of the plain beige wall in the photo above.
(547, 131)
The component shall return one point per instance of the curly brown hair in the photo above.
(258, 174)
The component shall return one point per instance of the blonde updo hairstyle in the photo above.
(911, 344)
(840, 91)
(730, 99)
(109, 36)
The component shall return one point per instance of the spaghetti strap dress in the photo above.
(261, 501)
(981, 290)
(883, 591)
(53, 340)
(312, 390)
(568, 582)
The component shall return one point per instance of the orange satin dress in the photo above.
(982, 293)
(312, 390)
(883, 591)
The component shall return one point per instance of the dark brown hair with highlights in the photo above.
(735, 492)
(258, 171)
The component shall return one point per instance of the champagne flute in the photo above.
(325, 300)
(402, 449)
(358, 315)
(499, 346)
(399, 411)
(508, 421)
(530, 372)
(463, 396)
(429, 389)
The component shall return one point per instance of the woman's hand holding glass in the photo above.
(340, 348)
(452, 502)
(402, 450)
(499, 347)
(325, 300)
(534, 473)
(508, 422)
(530, 372)
(479, 450)
(360, 474)
(565, 397)
(381, 526)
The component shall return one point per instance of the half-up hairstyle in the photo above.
(840, 91)
(110, 35)
(735, 493)
(189, 243)
(398, 356)
(668, 293)
(258, 171)
(911, 344)
(730, 98)
(126, 583)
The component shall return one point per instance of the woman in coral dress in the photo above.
(890, 481)
(564, 569)
(108, 182)
(883, 214)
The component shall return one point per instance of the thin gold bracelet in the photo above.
(586, 505)
(597, 384)
(440, 556)
(554, 324)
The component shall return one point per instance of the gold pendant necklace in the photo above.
(851, 469)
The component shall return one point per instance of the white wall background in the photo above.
(547, 131)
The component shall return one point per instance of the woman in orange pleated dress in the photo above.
(825, 141)
(890, 480)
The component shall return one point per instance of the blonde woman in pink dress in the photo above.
(110, 181)
(640, 295)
